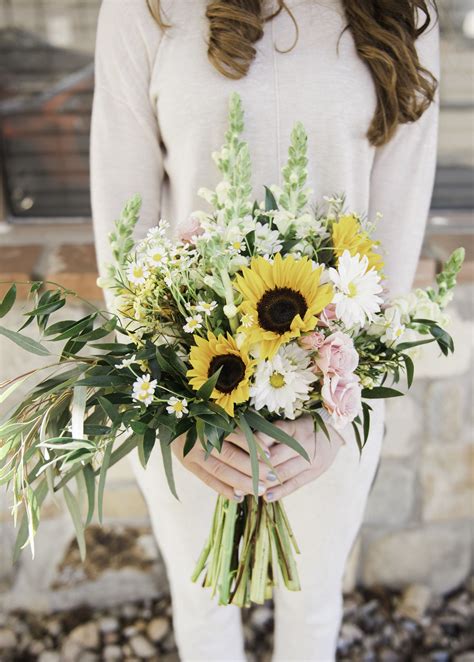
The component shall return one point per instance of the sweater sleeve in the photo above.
(402, 180)
(126, 156)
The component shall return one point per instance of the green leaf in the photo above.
(110, 410)
(166, 454)
(146, 446)
(23, 533)
(245, 427)
(8, 301)
(321, 424)
(270, 202)
(357, 436)
(410, 369)
(89, 478)
(366, 409)
(47, 308)
(75, 512)
(416, 343)
(259, 423)
(72, 331)
(25, 342)
(191, 437)
(207, 388)
(6, 394)
(104, 381)
(380, 392)
(102, 476)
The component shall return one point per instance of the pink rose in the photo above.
(192, 228)
(312, 341)
(328, 315)
(342, 399)
(337, 356)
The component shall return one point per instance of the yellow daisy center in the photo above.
(277, 380)
(352, 290)
(138, 272)
(178, 406)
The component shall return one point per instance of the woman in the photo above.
(367, 96)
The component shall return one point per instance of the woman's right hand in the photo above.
(229, 472)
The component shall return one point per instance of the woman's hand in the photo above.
(228, 472)
(292, 471)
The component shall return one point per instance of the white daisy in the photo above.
(138, 272)
(177, 407)
(144, 389)
(193, 323)
(283, 383)
(267, 241)
(357, 288)
(206, 307)
(126, 363)
(157, 256)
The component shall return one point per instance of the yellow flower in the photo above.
(347, 234)
(207, 356)
(281, 301)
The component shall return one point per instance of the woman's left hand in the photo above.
(292, 471)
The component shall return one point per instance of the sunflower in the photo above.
(207, 356)
(280, 301)
(347, 234)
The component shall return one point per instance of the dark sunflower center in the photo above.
(232, 373)
(278, 308)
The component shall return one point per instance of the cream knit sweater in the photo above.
(160, 109)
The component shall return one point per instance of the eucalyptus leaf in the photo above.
(8, 301)
(25, 342)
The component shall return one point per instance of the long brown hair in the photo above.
(384, 33)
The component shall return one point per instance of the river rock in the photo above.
(157, 629)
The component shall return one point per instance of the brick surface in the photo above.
(74, 267)
(18, 264)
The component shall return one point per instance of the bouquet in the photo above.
(258, 311)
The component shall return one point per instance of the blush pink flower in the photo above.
(192, 228)
(337, 356)
(312, 341)
(327, 316)
(342, 399)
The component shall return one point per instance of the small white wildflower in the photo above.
(193, 323)
(157, 256)
(206, 307)
(177, 407)
(246, 320)
(126, 363)
(144, 389)
(138, 272)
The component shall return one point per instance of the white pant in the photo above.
(325, 515)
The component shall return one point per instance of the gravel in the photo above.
(379, 626)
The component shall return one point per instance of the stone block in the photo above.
(403, 427)
(18, 263)
(446, 408)
(392, 498)
(74, 266)
(438, 556)
(124, 503)
(447, 480)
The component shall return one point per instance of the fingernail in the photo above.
(238, 494)
(269, 496)
(267, 454)
(261, 489)
(238, 497)
(271, 475)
